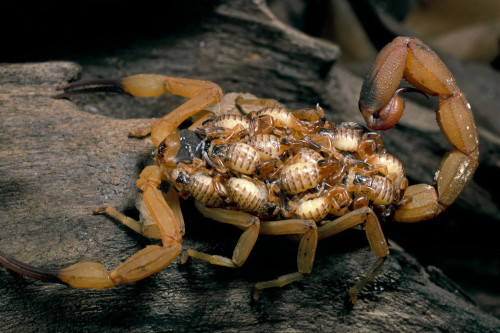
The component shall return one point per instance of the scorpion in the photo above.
(282, 172)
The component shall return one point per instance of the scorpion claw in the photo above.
(27, 270)
(91, 86)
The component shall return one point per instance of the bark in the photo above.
(60, 159)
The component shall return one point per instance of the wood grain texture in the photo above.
(60, 159)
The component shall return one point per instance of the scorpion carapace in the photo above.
(278, 172)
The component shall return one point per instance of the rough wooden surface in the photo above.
(60, 159)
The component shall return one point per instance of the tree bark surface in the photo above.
(60, 159)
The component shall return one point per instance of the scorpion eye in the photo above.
(271, 208)
(360, 179)
(181, 178)
(161, 149)
(208, 121)
(216, 150)
(202, 133)
(322, 163)
(205, 146)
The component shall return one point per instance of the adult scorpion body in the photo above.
(279, 172)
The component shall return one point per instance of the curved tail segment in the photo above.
(381, 104)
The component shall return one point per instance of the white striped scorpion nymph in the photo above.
(282, 172)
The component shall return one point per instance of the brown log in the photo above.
(60, 159)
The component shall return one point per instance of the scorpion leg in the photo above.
(138, 227)
(245, 243)
(382, 106)
(374, 234)
(255, 103)
(200, 93)
(306, 253)
(148, 227)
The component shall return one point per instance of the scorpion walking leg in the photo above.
(374, 234)
(149, 230)
(245, 243)
(135, 225)
(306, 253)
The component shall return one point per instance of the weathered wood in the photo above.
(60, 160)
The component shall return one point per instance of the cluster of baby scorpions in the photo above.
(293, 170)
(280, 172)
